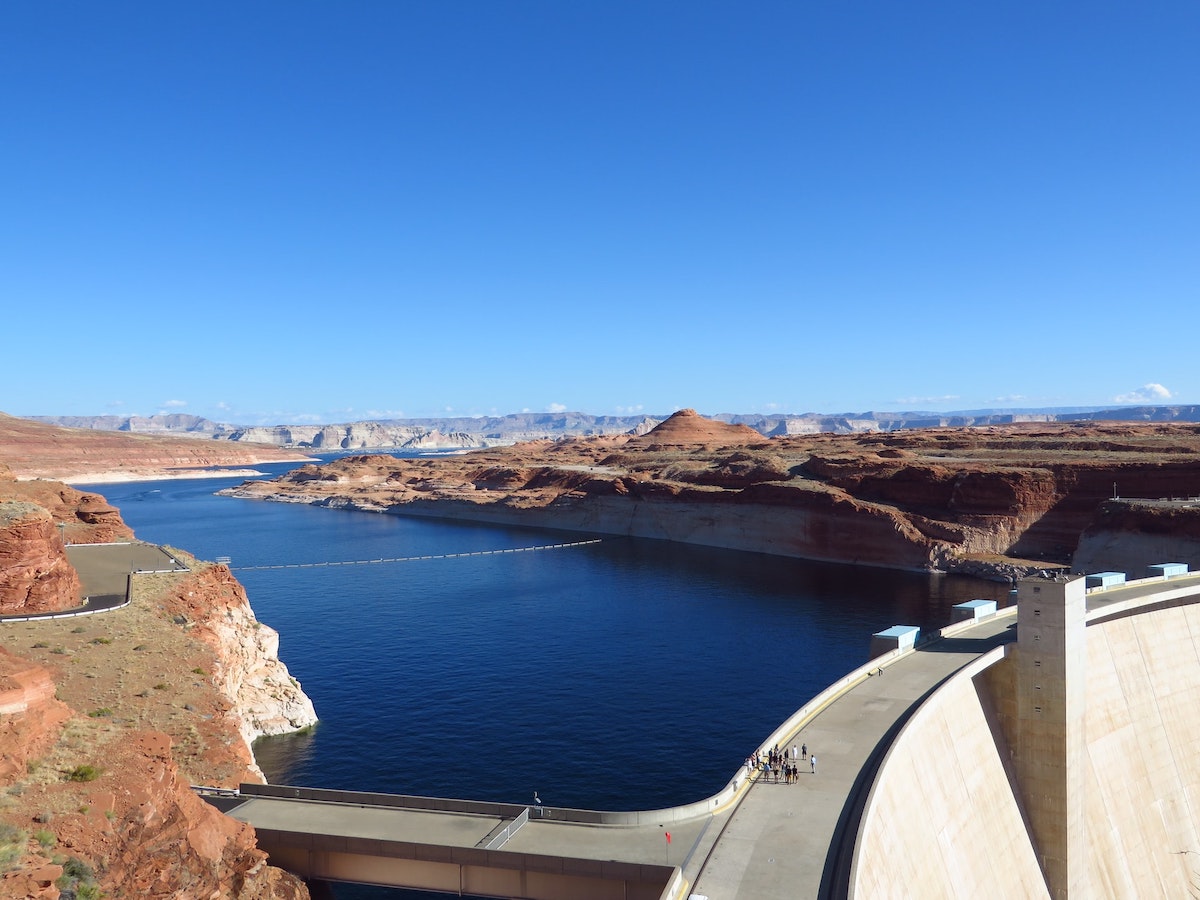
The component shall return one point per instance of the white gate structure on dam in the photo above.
(1051, 749)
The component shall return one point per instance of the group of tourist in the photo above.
(779, 762)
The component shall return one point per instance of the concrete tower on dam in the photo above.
(1048, 734)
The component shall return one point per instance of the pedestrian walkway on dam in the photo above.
(796, 840)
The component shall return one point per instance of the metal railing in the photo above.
(500, 838)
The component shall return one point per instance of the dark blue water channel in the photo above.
(627, 674)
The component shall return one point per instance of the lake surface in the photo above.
(625, 674)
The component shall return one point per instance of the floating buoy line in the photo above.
(401, 559)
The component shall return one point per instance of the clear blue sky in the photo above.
(274, 212)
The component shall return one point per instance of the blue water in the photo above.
(626, 674)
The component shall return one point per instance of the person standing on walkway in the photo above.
(804, 751)
(812, 760)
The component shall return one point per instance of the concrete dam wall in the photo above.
(949, 815)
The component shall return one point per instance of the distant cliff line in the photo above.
(476, 432)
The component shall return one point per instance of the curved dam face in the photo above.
(955, 811)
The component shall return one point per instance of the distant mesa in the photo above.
(456, 433)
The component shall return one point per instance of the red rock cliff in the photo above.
(35, 576)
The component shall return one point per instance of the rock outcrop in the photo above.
(246, 669)
(30, 715)
(82, 518)
(134, 827)
(35, 576)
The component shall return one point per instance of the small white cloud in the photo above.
(114, 404)
(630, 410)
(556, 408)
(1147, 393)
(1010, 399)
(175, 404)
(222, 405)
(385, 414)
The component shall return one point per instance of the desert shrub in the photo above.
(76, 868)
(78, 880)
(45, 837)
(84, 773)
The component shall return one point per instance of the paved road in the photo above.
(104, 570)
